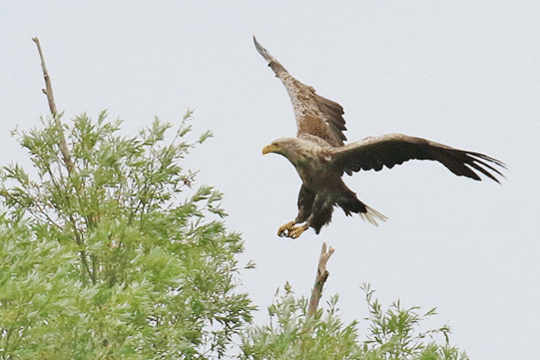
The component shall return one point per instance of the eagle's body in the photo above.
(320, 156)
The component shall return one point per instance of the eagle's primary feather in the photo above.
(320, 156)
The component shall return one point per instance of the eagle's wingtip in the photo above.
(265, 54)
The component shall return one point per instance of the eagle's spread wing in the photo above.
(394, 149)
(315, 115)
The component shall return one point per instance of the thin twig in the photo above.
(48, 91)
(320, 279)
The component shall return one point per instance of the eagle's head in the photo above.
(297, 151)
(283, 146)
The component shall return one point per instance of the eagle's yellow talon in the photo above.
(289, 230)
(297, 231)
(286, 229)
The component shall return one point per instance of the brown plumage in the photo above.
(320, 156)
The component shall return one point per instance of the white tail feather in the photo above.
(372, 215)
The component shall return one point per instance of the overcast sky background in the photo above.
(464, 73)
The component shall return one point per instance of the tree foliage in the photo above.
(109, 262)
(121, 256)
(392, 334)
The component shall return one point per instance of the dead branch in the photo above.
(320, 279)
(52, 106)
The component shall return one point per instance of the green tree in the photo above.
(119, 258)
(393, 334)
(111, 258)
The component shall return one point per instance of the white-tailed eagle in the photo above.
(320, 156)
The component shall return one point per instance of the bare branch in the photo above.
(48, 87)
(320, 279)
(52, 105)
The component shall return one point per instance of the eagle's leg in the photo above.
(289, 230)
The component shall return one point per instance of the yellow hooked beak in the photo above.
(270, 148)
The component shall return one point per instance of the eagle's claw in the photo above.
(297, 231)
(289, 230)
(284, 230)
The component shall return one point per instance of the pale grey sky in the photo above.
(464, 73)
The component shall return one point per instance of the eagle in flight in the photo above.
(320, 156)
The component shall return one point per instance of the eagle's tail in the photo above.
(351, 204)
(371, 216)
